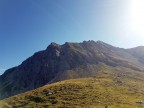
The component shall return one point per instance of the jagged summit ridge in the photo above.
(91, 42)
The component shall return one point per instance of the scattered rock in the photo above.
(106, 106)
(139, 102)
(50, 93)
(58, 91)
(54, 101)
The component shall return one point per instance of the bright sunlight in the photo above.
(137, 16)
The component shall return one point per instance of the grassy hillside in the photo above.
(115, 91)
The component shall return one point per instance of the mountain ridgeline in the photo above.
(70, 61)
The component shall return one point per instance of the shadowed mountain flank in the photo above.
(68, 61)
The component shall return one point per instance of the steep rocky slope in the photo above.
(60, 62)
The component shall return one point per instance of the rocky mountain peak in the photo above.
(60, 62)
(100, 42)
(53, 45)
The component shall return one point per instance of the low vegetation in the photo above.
(94, 92)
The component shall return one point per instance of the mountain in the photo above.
(138, 52)
(69, 61)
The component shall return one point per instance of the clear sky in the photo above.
(27, 26)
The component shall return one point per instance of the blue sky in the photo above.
(27, 26)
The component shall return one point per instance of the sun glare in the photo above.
(137, 16)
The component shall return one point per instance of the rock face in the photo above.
(60, 62)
